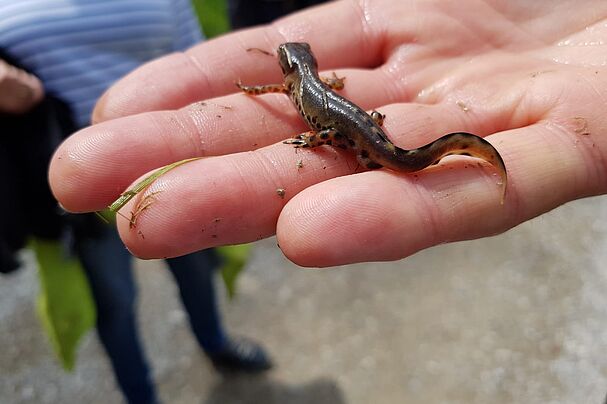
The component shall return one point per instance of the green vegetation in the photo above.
(213, 16)
(234, 258)
(65, 305)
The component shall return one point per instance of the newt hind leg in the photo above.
(329, 137)
(378, 117)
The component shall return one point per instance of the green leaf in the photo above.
(65, 305)
(213, 16)
(234, 259)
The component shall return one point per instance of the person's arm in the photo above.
(19, 90)
(526, 76)
(187, 27)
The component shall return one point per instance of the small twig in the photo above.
(265, 52)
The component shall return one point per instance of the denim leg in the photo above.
(194, 274)
(107, 264)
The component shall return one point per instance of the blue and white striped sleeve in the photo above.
(188, 31)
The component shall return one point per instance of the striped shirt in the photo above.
(78, 48)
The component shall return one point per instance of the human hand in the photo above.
(19, 90)
(530, 76)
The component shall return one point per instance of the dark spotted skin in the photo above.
(337, 122)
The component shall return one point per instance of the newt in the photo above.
(336, 121)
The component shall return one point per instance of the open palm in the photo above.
(529, 76)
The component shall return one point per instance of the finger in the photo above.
(211, 68)
(353, 219)
(225, 199)
(92, 167)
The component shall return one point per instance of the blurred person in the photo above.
(73, 50)
(32, 125)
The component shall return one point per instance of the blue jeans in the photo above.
(107, 264)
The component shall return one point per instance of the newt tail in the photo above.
(458, 143)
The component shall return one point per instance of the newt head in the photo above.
(295, 55)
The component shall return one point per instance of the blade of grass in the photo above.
(143, 184)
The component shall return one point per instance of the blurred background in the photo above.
(516, 318)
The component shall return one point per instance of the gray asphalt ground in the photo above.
(517, 318)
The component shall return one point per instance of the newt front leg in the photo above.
(258, 90)
(335, 83)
